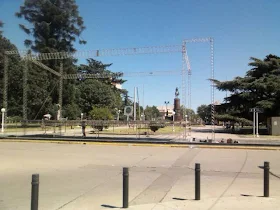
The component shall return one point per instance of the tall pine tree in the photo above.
(54, 26)
(14, 76)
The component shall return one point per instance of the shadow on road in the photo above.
(109, 206)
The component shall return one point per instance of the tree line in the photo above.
(55, 26)
(259, 88)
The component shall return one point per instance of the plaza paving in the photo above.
(89, 176)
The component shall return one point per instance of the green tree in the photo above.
(99, 69)
(72, 111)
(260, 87)
(186, 111)
(100, 90)
(55, 26)
(151, 112)
(97, 94)
(1, 26)
(204, 112)
(14, 77)
(101, 113)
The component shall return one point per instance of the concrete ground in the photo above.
(89, 176)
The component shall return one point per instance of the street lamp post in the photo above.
(3, 119)
(173, 129)
(118, 112)
(166, 102)
(82, 114)
(186, 119)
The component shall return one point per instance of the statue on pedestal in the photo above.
(176, 93)
(177, 108)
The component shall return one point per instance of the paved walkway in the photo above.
(74, 176)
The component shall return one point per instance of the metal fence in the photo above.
(110, 130)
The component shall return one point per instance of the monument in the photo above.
(177, 108)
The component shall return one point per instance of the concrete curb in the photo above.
(151, 144)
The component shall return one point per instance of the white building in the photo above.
(162, 109)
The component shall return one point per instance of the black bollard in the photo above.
(125, 187)
(35, 192)
(197, 181)
(266, 179)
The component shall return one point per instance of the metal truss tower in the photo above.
(212, 87)
(187, 63)
(185, 72)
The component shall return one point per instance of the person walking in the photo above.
(84, 128)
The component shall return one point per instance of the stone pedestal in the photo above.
(177, 110)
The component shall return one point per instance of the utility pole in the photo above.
(143, 102)
(256, 112)
(134, 107)
(166, 103)
(254, 122)
(257, 124)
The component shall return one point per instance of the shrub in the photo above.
(154, 127)
(98, 127)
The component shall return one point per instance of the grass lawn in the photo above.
(34, 127)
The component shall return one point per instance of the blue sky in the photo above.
(241, 29)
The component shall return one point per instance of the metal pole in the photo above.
(125, 187)
(3, 117)
(197, 181)
(5, 81)
(185, 133)
(184, 74)
(212, 88)
(257, 124)
(25, 90)
(134, 105)
(143, 102)
(127, 118)
(35, 192)
(173, 122)
(139, 110)
(60, 99)
(254, 123)
(266, 179)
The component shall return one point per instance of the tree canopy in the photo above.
(55, 25)
(204, 112)
(151, 112)
(260, 87)
(14, 76)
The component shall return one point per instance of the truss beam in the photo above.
(35, 58)
(124, 74)
(46, 67)
(98, 53)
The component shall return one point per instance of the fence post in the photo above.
(197, 181)
(125, 187)
(35, 192)
(266, 179)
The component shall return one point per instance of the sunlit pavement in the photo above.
(76, 176)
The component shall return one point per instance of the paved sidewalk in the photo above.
(74, 176)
